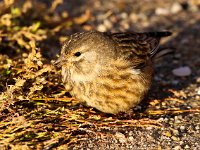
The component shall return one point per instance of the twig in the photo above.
(165, 112)
(50, 99)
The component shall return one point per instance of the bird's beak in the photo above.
(59, 62)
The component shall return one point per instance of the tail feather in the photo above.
(161, 52)
(159, 34)
(155, 40)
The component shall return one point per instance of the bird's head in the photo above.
(83, 55)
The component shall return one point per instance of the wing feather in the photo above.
(138, 47)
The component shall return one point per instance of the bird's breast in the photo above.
(113, 90)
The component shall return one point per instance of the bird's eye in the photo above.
(77, 54)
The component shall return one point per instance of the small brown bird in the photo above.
(111, 72)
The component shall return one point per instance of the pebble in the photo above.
(181, 142)
(107, 24)
(133, 17)
(161, 11)
(176, 119)
(194, 8)
(175, 132)
(177, 55)
(186, 147)
(124, 15)
(198, 79)
(175, 82)
(176, 7)
(177, 148)
(100, 17)
(197, 97)
(138, 107)
(131, 138)
(121, 137)
(182, 71)
(101, 28)
(149, 128)
(163, 104)
(25, 55)
(197, 127)
(198, 91)
(131, 133)
(166, 119)
(175, 61)
(124, 24)
(182, 128)
(174, 138)
(167, 134)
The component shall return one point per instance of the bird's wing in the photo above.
(140, 43)
(138, 47)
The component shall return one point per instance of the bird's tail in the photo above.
(163, 51)
(159, 52)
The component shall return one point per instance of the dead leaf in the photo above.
(82, 19)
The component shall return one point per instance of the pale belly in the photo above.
(112, 95)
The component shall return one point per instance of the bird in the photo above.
(111, 72)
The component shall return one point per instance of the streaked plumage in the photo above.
(111, 72)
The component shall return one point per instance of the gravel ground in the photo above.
(169, 117)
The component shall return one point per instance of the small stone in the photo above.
(138, 107)
(182, 71)
(39, 63)
(175, 61)
(198, 91)
(175, 82)
(163, 104)
(197, 128)
(167, 133)
(121, 137)
(176, 7)
(107, 24)
(124, 15)
(133, 17)
(166, 119)
(25, 55)
(181, 142)
(177, 148)
(156, 78)
(100, 17)
(38, 55)
(131, 133)
(177, 121)
(101, 28)
(180, 117)
(175, 132)
(197, 97)
(178, 55)
(161, 11)
(182, 128)
(174, 138)
(186, 147)
(131, 138)
(149, 128)
(194, 8)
